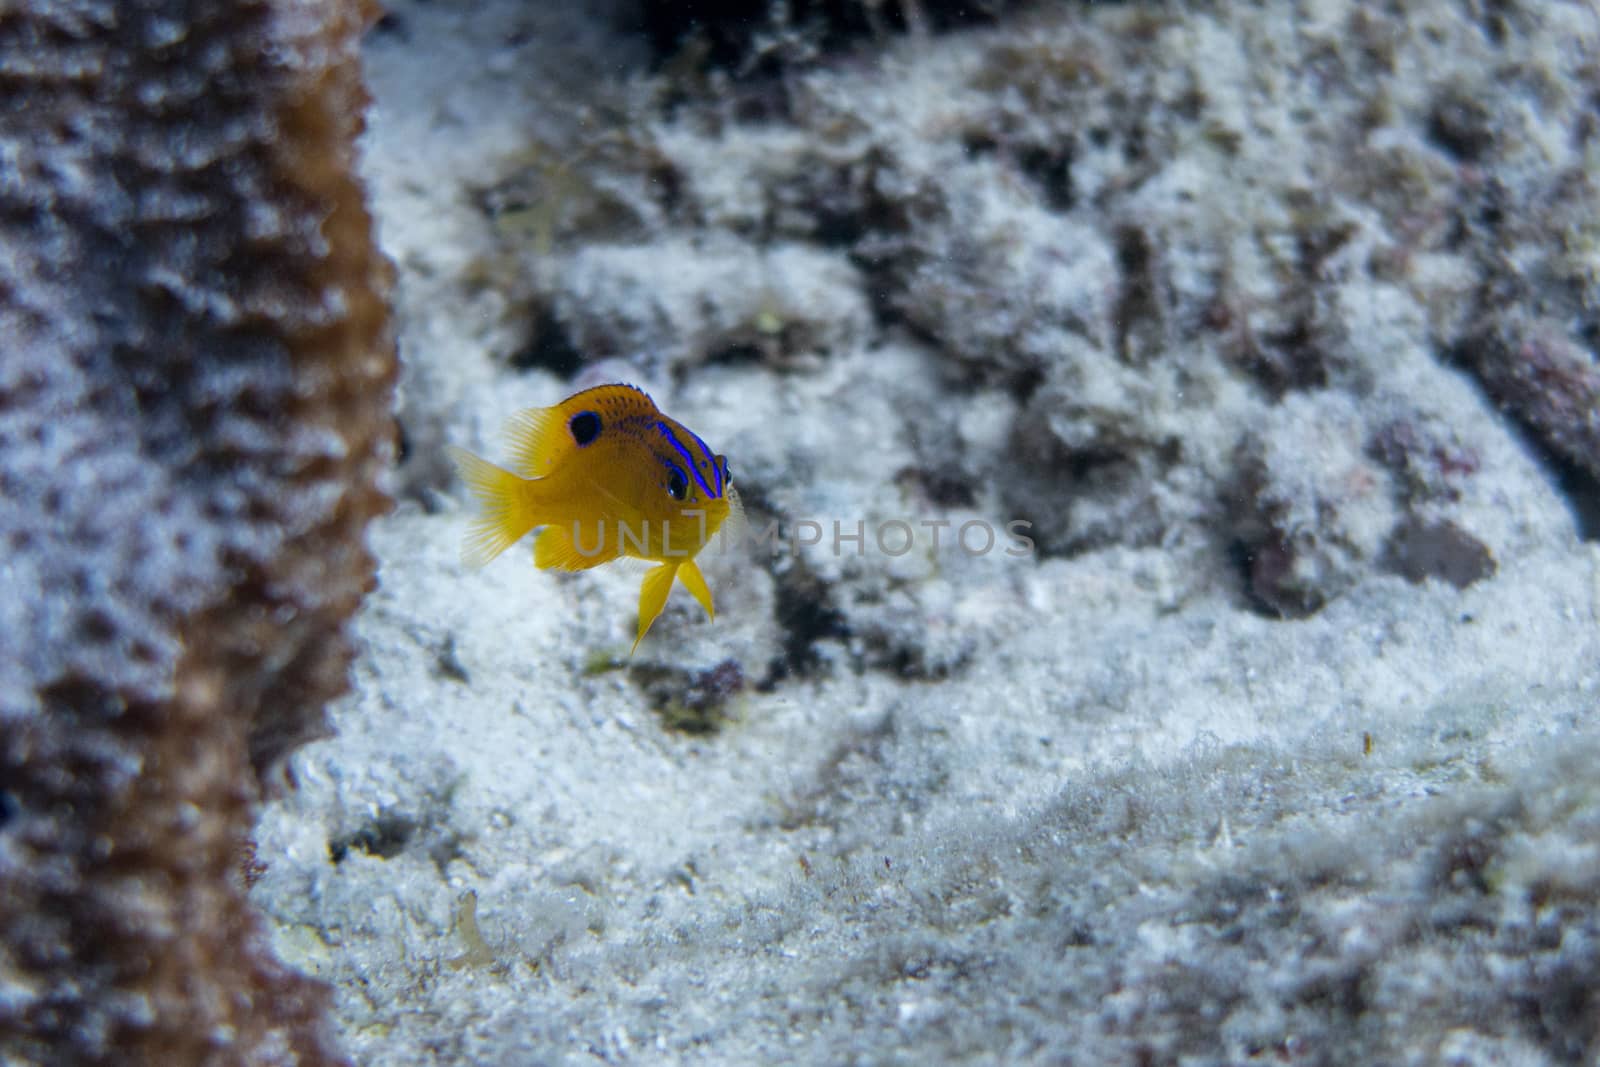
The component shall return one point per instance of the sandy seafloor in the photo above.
(1183, 292)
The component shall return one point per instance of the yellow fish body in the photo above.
(607, 475)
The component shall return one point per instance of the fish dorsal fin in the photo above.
(542, 439)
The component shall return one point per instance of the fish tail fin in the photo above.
(653, 597)
(507, 509)
(689, 574)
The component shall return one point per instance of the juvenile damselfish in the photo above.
(607, 475)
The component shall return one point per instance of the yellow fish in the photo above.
(607, 475)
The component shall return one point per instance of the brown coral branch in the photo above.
(195, 394)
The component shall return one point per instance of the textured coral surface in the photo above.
(194, 394)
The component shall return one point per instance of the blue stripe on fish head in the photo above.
(711, 459)
(694, 468)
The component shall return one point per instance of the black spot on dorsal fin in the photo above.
(585, 427)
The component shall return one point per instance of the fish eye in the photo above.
(677, 484)
(585, 427)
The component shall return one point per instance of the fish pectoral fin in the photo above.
(653, 597)
(689, 574)
(556, 549)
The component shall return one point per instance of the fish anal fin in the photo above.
(689, 574)
(558, 548)
(653, 597)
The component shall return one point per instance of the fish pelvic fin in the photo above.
(506, 513)
(689, 574)
(653, 597)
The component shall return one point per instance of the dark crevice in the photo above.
(549, 347)
(1258, 567)
(744, 38)
(1460, 125)
(1025, 384)
(736, 352)
(941, 488)
(1582, 491)
(1051, 172)
(385, 836)
(806, 615)
(1137, 317)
